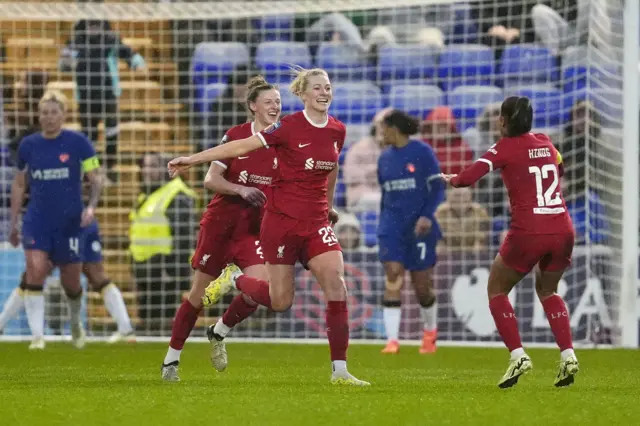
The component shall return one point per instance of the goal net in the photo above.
(180, 84)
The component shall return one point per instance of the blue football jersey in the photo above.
(54, 170)
(411, 188)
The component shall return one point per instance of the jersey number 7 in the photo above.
(551, 197)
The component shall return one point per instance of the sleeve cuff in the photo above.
(221, 164)
(262, 139)
(487, 162)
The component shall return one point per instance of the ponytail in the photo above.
(518, 115)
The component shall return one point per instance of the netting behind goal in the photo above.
(449, 63)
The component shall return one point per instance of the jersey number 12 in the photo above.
(550, 197)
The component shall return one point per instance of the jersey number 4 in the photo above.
(550, 197)
(74, 245)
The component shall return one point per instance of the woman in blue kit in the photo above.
(408, 232)
(53, 162)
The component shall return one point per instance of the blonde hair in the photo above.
(299, 84)
(54, 96)
(256, 85)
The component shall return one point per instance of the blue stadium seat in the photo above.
(369, 227)
(275, 58)
(214, 62)
(465, 28)
(578, 77)
(465, 64)
(211, 93)
(405, 62)
(356, 102)
(341, 61)
(416, 100)
(608, 103)
(546, 100)
(467, 102)
(355, 132)
(290, 102)
(528, 63)
(275, 27)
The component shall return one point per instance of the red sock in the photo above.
(237, 311)
(558, 317)
(337, 318)
(183, 323)
(506, 321)
(256, 289)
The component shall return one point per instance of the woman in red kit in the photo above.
(541, 234)
(297, 223)
(229, 229)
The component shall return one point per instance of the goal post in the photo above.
(447, 62)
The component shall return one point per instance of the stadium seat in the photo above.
(574, 55)
(290, 102)
(578, 77)
(608, 103)
(467, 102)
(341, 61)
(211, 93)
(465, 64)
(31, 49)
(275, 27)
(140, 93)
(465, 28)
(406, 62)
(356, 102)
(416, 100)
(140, 137)
(528, 63)
(275, 58)
(142, 45)
(213, 62)
(369, 227)
(546, 101)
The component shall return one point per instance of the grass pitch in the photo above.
(288, 385)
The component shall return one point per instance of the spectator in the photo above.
(334, 27)
(490, 191)
(503, 22)
(361, 164)
(591, 217)
(439, 130)
(348, 231)
(29, 90)
(561, 23)
(584, 120)
(465, 224)
(161, 242)
(92, 52)
(229, 109)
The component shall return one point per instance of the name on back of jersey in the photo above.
(539, 153)
(400, 184)
(50, 174)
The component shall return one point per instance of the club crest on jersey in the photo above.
(411, 168)
(272, 128)
(64, 157)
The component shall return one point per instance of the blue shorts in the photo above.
(91, 249)
(63, 246)
(415, 254)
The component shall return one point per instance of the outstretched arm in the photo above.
(221, 152)
(471, 174)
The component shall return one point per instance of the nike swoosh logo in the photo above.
(302, 146)
(242, 158)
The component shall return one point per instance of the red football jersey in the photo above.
(307, 153)
(531, 171)
(256, 169)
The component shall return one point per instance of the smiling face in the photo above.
(267, 107)
(318, 94)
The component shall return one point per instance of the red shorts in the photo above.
(217, 246)
(285, 240)
(521, 252)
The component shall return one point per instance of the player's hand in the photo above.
(88, 216)
(14, 237)
(178, 165)
(423, 225)
(253, 196)
(447, 178)
(334, 217)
